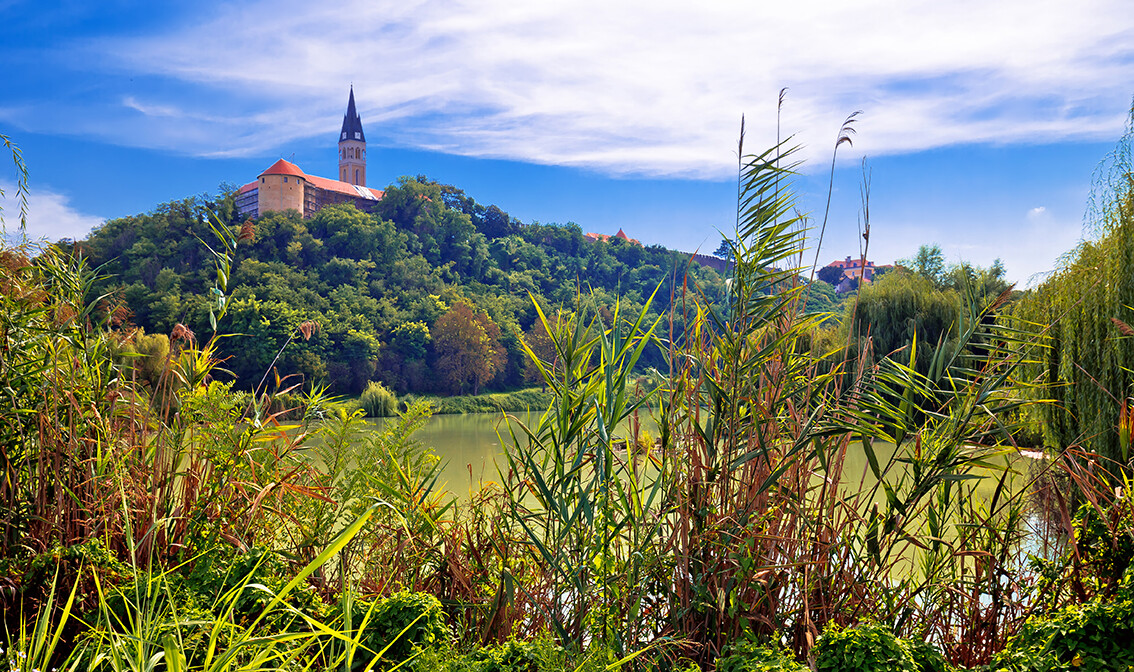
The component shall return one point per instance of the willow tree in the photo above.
(898, 309)
(1084, 310)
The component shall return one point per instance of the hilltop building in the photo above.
(284, 186)
(602, 237)
(855, 270)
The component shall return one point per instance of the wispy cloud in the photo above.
(151, 110)
(50, 216)
(654, 88)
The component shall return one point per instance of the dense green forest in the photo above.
(432, 292)
(429, 293)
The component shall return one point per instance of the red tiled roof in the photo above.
(602, 237)
(344, 188)
(283, 167)
(850, 263)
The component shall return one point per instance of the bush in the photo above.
(1091, 637)
(864, 648)
(751, 657)
(377, 401)
(514, 656)
(222, 569)
(1106, 547)
(517, 401)
(926, 657)
(418, 614)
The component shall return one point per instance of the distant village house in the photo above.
(847, 274)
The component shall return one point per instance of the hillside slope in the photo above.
(377, 285)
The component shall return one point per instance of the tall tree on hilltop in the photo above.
(724, 251)
(928, 263)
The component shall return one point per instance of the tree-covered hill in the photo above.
(429, 278)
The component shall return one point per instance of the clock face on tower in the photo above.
(344, 135)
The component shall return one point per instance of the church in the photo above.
(284, 186)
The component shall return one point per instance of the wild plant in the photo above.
(744, 521)
(585, 506)
(377, 401)
(39, 647)
(150, 625)
(350, 469)
(66, 409)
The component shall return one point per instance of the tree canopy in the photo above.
(377, 283)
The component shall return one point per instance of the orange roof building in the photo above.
(855, 272)
(284, 186)
(603, 238)
(853, 268)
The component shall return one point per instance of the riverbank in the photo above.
(516, 401)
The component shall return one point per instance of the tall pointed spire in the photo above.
(352, 147)
(352, 123)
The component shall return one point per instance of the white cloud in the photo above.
(150, 110)
(653, 88)
(49, 216)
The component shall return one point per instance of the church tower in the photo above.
(352, 147)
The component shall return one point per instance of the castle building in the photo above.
(854, 273)
(854, 269)
(604, 238)
(284, 186)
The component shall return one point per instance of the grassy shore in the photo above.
(516, 401)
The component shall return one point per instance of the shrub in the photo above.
(541, 654)
(1091, 637)
(222, 569)
(1106, 547)
(751, 657)
(150, 357)
(407, 400)
(515, 656)
(926, 657)
(418, 614)
(517, 401)
(863, 648)
(377, 401)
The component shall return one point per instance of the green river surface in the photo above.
(468, 446)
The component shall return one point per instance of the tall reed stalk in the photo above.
(742, 522)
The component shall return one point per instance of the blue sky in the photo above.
(981, 122)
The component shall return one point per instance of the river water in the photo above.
(470, 444)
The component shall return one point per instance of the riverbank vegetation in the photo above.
(156, 517)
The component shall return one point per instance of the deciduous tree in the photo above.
(467, 344)
(830, 275)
